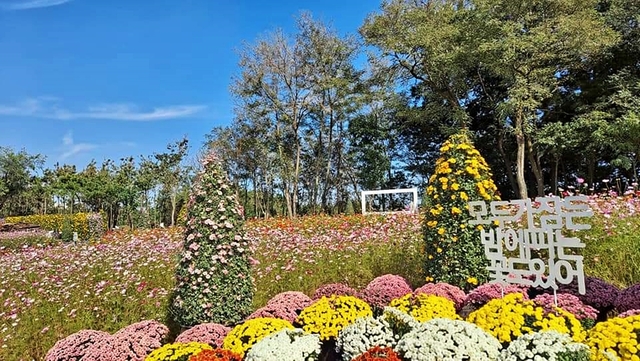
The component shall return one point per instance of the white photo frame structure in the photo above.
(414, 203)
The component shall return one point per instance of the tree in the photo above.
(170, 170)
(213, 280)
(15, 174)
(532, 45)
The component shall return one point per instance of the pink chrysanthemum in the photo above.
(132, 343)
(383, 289)
(567, 302)
(442, 289)
(489, 291)
(334, 289)
(74, 346)
(209, 333)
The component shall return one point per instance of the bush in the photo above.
(213, 280)
(90, 226)
(209, 333)
(423, 307)
(177, 351)
(328, 316)
(454, 253)
(73, 347)
(244, 336)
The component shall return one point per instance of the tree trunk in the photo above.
(534, 159)
(507, 163)
(520, 141)
(554, 176)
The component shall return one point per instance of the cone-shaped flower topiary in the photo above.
(213, 280)
(453, 250)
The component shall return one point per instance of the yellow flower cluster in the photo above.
(177, 351)
(452, 248)
(244, 336)
(426, 307)
(327, 316)
(616, 338)
(55, 222)
(511, 316)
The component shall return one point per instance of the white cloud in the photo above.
(70, 148)
(32, 4)
(49, 108)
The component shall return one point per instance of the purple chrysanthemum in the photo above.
(599, 294)
(445, 290)
(628, 299)
(209, 333)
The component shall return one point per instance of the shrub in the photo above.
(362, 335)
(378, 353)
(381, 290)
(491, 291)
(213, 280)
(244, 336)
(569, 303)
(512, 316)
(73, 347)
(546, 345)
(334, 289)
(628, 299)
(209, 333)
(630, 313)
(286, 345)
(445, 290)
(599, 294)
(285, 305)
(443, 339)
(424, 307)
(328, 316)
(131, 343)
(177, 351)
(454, 253)
(90, 226)
(615, 339)
(216, 355)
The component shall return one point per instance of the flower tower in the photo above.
(453, 250)
(213, 280)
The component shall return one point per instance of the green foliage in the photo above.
(213, 280)
(66, 233)
(90, 226)
(15, 174)
(453, 250)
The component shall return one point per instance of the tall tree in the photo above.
(171, 172)
(16, 169)
(532, 45)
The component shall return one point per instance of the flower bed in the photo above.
(414, 327)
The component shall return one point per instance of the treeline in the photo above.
(142, 192)
(547, 88)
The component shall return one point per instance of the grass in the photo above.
(48, 291)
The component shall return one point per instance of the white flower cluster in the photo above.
(543, 346)
(448, 340)
(363, 334)
(400, 322)
(286, 345)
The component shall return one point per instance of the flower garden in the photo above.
(316, 288)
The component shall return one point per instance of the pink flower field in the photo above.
(48, 292)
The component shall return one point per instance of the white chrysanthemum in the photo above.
(544, 345)
(286, 345)
(400, 322)
(363, 334)
(443, 339)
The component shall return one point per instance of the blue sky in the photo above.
(97, 79)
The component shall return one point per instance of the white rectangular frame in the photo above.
(414, 204)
